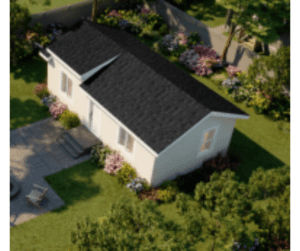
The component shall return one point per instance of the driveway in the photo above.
(34, 154)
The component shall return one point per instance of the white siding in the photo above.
(183, 156)
(78, 103)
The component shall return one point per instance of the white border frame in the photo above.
(213, 141)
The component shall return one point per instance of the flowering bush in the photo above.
(145, 10)
(124, 24)
(114, 13)
(48, 101)
(99, 153)
(113, 163)
(41, 90)
(200, 59)
(182, 38)
(232, 70)
(57, 109)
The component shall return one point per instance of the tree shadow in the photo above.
(31, 69)
(205, 10)
(26, 112)
(74, 184)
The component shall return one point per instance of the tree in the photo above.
(131, 226)
(19, 23)
(261, 19)
(95, 10)
(271, 73)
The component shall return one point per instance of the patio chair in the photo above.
(37, 194)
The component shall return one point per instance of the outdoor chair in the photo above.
(37, 194)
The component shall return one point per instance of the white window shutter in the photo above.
(69, 87)
(129, 143)
(122, 136)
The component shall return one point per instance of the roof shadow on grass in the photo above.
(251, 156)
(74, 184)
(30, 69)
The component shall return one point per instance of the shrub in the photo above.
(126, 174)
(99, 153)
(232, 70)
(114, 13)
(200, 59)
(193, 38)
(181, 202)
(57, 109)
(48, 101)
(149, 33)
(145, 10)
(41, 90)
(69, 119)
(163, 30)
(167, 195)
(147, 187)
(113, 163)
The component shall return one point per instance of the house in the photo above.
(163, 121)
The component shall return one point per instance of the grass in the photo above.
(41, 7)
(25, 107)
(208, 12)
(86, 190)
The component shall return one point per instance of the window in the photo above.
(126, 140)
(207, 139)
(66, 85)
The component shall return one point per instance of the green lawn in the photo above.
(40, 7)
(207, 11)
(86, 190)
(26, 107)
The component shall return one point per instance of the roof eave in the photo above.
(230, 115)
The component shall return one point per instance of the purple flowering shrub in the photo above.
(113, 163)
(200, 59)
(114, 13)
(232, 70)
(57, 109)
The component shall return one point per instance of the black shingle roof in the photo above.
(153, 97)
(83, 48)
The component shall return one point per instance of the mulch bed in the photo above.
(150, 195)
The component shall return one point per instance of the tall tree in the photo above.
(261, 19)
(95, 10)
(19, 23)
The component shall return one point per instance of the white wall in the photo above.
(183, 156)
(78, 103)
(140, 158)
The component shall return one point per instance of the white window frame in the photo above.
(61, 85)
(213, 140)
(126, 139)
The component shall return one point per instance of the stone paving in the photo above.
(34, 154)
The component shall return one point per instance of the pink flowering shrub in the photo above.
(145, 10)
(200, 60)
(57, 109)
(113, 163)
(232, 70)
(182, 38)
(114, 13)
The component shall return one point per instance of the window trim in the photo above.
(213, 140)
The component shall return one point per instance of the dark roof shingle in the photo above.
(154, 98)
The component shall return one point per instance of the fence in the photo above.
(177, 19)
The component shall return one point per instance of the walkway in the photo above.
(34, 154)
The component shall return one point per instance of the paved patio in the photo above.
(34, 154)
